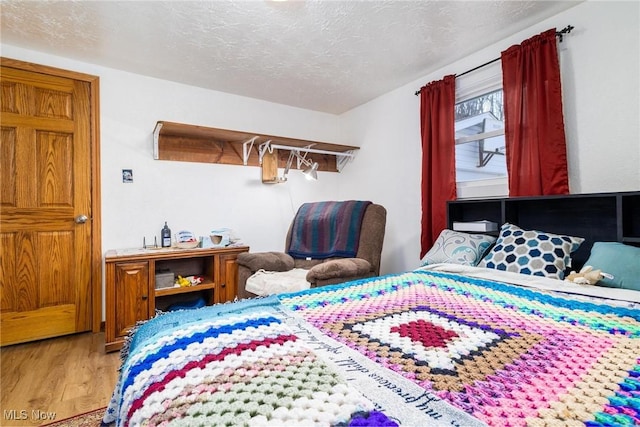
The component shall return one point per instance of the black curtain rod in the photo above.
(559, 35)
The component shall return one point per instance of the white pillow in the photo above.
(454, 247)
(265, 283)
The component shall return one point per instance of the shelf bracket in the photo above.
(263, 148)
(342, 160)
(156, 136)
(247, 151)
(300, 159)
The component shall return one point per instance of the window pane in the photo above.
(482, 157)
(488, 103)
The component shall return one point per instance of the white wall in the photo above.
(191, 196)
(601, 74)
(600, 66)
(197, 197)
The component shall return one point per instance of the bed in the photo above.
(446, 344)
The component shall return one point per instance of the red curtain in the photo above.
(437, 124)
(534, 125)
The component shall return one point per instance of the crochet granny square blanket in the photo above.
(420, 348)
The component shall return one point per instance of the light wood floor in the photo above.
(66, 376)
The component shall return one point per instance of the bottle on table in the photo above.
(165, 234)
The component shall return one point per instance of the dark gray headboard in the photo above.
(604, 217)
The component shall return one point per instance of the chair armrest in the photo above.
(269, 261)
(339, 268)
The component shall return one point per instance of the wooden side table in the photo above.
(131, 293)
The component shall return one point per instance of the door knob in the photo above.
(81, 219)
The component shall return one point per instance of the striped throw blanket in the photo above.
(327, 229)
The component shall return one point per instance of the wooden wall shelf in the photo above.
(191, 143)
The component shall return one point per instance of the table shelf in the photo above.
(184, 289)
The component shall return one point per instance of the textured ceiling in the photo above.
(326, 56)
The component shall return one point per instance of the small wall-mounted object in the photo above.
(270, 167)
(190, 143)
(127, 176)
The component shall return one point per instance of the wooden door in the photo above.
(227, 288)
(47, 258)
(131, 295)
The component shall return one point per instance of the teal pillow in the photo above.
(458, 248)
(619, 260)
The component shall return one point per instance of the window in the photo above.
(481, 168)
(480, 146)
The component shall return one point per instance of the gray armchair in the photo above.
(327, 271)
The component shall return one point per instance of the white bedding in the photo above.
(616, 296)
(265, 283)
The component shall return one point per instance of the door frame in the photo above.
(96, 212)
